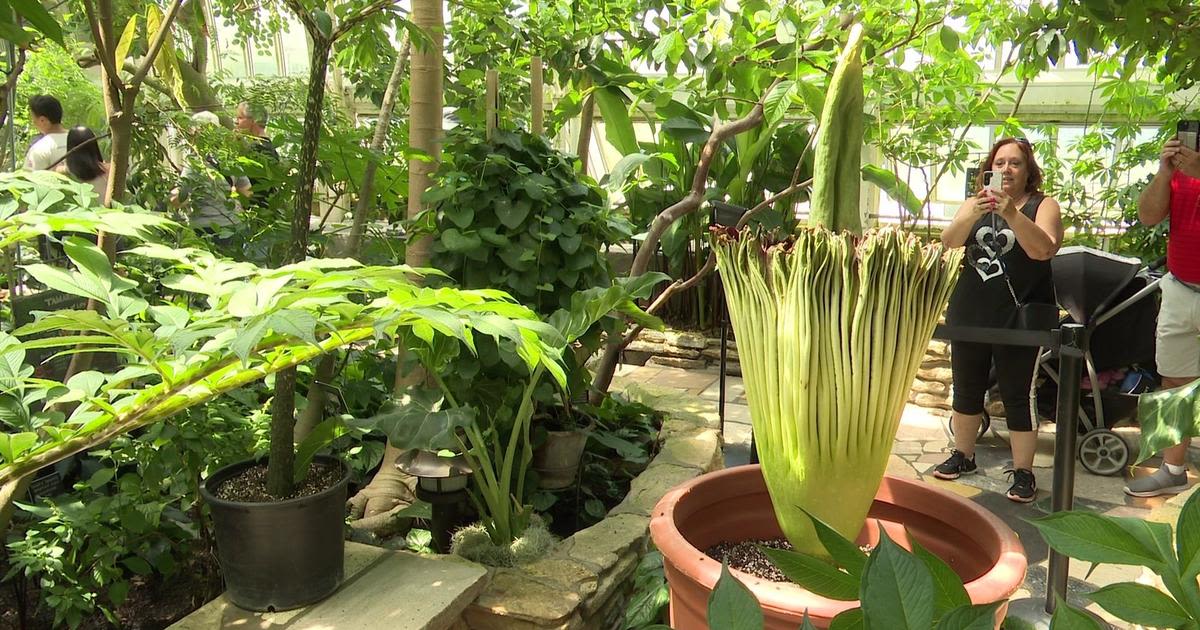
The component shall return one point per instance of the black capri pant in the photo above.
(971, 364)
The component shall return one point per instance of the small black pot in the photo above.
(282, 555)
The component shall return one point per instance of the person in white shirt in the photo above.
(45, 112)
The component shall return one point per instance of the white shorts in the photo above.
(1177, 339)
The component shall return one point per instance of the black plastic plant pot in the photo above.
(282, 555)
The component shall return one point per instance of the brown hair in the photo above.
(1035, 172)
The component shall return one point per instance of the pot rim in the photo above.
(782, 596)
(224, 473)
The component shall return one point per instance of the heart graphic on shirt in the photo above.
(990, 246)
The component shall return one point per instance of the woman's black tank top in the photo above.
(981, 297)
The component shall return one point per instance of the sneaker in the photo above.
(1161, 482)
(1024, 485)
(957, 465)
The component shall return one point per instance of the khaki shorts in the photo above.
(1177, 339)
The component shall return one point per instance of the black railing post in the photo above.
(1072, 345)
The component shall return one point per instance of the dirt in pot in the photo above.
(250, 486)
(747, 557)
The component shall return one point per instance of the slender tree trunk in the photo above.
(283, 408)
(314, 410)
(9, 493)
(537, 103)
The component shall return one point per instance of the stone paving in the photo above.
(922, 442)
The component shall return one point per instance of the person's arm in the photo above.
(1154, 204)
(956, 234)
(241, 185)
(1040, 238)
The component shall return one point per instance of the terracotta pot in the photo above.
(733, 505)
(557, 459)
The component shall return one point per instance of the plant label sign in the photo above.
(23, 308)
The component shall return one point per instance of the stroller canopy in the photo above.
(1086, 280)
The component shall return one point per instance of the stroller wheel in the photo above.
(1103, 452)
(948, 426)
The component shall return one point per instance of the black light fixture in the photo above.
(442, 483)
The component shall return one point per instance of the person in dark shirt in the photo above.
(1010, 236)
(252, 120)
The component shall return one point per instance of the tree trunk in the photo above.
(389, 489)
(425, 117)
(537, 102)
(283, 407)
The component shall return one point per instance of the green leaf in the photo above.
(844, 552)
(949, 38)
(1068, 618)
(458, 242)
(39, 18)
(118, 591)
(1187, 538)
(1099, 539)
(101, 478)
(13, 445)
(324, 22)
(1167, 417)
(814, 574)
(968, 617)
(785, 31)
(511, 215)
(170, 315)
(897, 590)
(321, 436)
(618, 127)
(624, 168)
(896, 189)
(70, 283)
(295, 323)
(948, 590)
(732, 606)
(134, 563)
(570, 244)
(248, 337)
(1141, 604)
(418, 420)
(849, 620)
(806, 623)
(126, 41)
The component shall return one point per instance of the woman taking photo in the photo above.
(1010, 235)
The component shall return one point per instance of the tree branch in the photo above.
(102, 53)
(359, 17)
(690, 203)
(156, 43)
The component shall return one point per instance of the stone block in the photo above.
(652, 336)
(930, 387)
(932, 363)
(939, 348)
(694, 451)
(692, 341)
(935, 374)
(714, 353)
(662, 349)
(929, 400)
(514, 596)
(678, 362)
(650, 486)
(635, 358)
(611, 579)
(602, 544)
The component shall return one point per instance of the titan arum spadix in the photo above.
(830, 329)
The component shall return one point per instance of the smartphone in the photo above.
(1188, 133)
(993, 180)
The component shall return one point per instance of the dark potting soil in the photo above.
(745, 556)
(250, 486)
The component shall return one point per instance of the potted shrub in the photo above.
(831, 328)
(250, 323)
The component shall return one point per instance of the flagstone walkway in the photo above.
(922, 442)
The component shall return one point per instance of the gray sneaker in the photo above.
(1161, 482)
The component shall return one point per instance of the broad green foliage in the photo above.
(826, 385)
(1102, 539)
(1167, 417)
(896, 588)
(513, 214)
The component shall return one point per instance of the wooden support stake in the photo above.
(536, 101)
(493, 89)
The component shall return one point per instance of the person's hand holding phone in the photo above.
(1187, 161)
(1166, 159)
(983, 202)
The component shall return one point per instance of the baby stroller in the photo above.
(1116, 299)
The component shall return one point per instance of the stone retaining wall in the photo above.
(586, 581)
(931, 388)
(687, 350)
